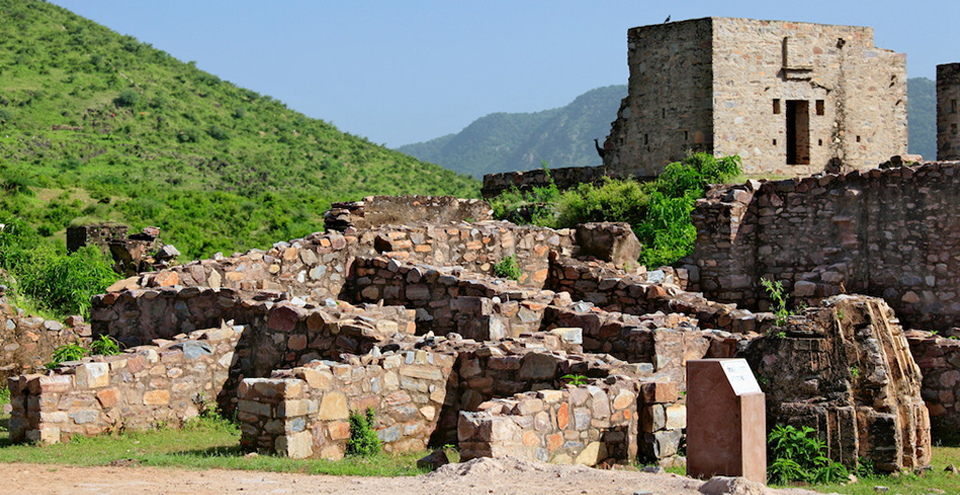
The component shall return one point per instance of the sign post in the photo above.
(726, 420)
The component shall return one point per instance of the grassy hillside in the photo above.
(922, 117)
(148, 140)
(502, 142)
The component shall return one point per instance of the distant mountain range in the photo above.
(563, 137)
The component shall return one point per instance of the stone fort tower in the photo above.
(948, 117)
(788, 97)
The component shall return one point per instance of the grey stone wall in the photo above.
(725, 86)
(948, 113)
(889, 233)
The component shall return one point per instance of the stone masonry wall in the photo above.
(304, 412)
(136, 390)
(564, 178)
(315, 267)
(948, 113)
(376, 211)
(584, 424)
(27, 341)
(886, 233)
(939, 361)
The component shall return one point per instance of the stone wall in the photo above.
(304, 412)
(759, 89)
(315, 267)
(939, 361)
(564, 178)
(376, 211)
(584, 424)
(27, 341)
(948, 113)
(886, 233)
(845, 370)
(139, 389)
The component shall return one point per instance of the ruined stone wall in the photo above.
(28, 341)
(564, 178)
(136, 390)
(304, 412)
(376, 211)
(669, 108)
(939, 361)
(948, 113)
(855, 94)
(584, 424)
(845, 370)
(886, 233)
(448, 300)
(315, 267)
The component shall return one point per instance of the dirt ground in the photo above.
(481, 476)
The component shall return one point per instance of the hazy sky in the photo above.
(399, 72)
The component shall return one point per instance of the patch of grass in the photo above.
(933, 481)
(204, 443)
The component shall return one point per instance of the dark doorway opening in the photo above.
(798, 132)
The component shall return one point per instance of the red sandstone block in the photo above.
(659, 392)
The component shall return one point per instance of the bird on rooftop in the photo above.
(668, 20)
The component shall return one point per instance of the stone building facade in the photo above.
(788, 97)
(948, 115)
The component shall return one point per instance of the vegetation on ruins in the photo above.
(508, 268)
(658, 211)
(796, 455)
(98, 126)
(363, 441)
(105, 345)
(44, 278)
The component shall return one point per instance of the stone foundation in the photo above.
(939, 361)
(27, 341)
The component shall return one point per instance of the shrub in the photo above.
(534, 206)
(189, 135)
(794, 455)
(5, 115)
(363, 439)
(127, 98)
(68, 352)
(612, 201)
(218, 133)
(508, 268)
(105, 346)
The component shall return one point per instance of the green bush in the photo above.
(5, 115)
(105, 346)
(508, 268)
(363, 440)
(127, 98)
(189, 135)
(795, 455)
(613, 200)
(68, 352)
(534, 207)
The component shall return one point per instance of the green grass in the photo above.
(203, 444)
(909, 484)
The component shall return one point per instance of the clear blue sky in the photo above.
(399, 72)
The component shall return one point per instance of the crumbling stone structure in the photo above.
(787, 97)
(397, 210)
(845, 370)
(132, 254)
(384, 317)
(27, 341)
(948, 116)
(887, 233)
(563, 178)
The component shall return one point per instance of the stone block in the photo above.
(107, 398)
(569, 335)
(296, 446)
(93, 375)
(659, 392)
(156, 398)
(333, 406)
(676, 417)
(654, 418)
(592, 454)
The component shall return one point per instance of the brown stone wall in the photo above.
(669, 108)
(27, 342)
(376, 211)
(564, 178)
(315, 267)
(845, 370)
(304, 412)
(886, 233)
(948, 113)
(939, 361)
(139, 389)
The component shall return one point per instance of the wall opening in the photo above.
(953, 106)
(798, 132)
(776, 107)
(820, 109)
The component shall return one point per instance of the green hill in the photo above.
(502, 142)
(922, 117)
(96, 126)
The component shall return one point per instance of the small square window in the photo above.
(776, 107)
(858, 139)
(953, 106)
(774, 142)
(819, 107)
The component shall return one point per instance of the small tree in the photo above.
(363, 439)
(127, 98)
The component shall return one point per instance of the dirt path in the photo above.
(489, 476)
